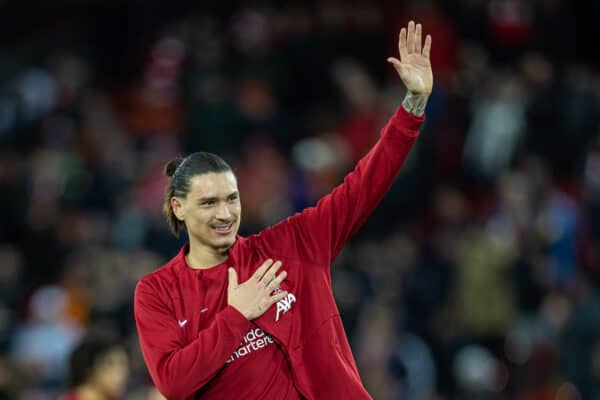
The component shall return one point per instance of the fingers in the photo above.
(410, 37)
(274, 284)
(276, 297)
(233, 279)
(267, 302)
(270, 274)
(402, 45)
(427, 46)
(395, 62)
(398, 66)
(260, 272)
(418, 39)
(411, 41)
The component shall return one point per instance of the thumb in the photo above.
(397, 65)
(233, 279)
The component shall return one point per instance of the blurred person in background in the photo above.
(41, 345)
(274, 335)
(154, 394)
(98, 369)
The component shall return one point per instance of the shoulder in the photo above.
(166, 275)
(280, 239)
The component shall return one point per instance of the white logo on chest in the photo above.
(284, 305)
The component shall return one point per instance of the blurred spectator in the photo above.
(497, 126)
(11, 291)
(42, 344)
(478, 374)
(98, 370)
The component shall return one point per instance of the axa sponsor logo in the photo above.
(284, 305)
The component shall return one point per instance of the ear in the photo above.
(178, 207)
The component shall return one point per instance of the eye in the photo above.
(207, 203)
(233, 197)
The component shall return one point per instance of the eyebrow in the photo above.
(214, 198)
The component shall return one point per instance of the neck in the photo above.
(201, 257)
(88, 392)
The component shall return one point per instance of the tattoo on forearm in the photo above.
(414, 104)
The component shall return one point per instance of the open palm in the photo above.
(414, 67)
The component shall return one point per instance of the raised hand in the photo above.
(414, 67)
(253, 297)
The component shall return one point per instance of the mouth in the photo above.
(223, 229)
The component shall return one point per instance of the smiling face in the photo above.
(211, 211)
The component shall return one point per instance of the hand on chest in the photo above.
(282, 291)
(203, 299)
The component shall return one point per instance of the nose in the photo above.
(223, 212)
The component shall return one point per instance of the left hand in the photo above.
(414, 67)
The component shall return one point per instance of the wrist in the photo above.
(242, 311)
(415, 103)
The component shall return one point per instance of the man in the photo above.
(218, 321)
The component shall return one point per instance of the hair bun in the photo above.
(172, 166)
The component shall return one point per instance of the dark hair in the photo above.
(86, 355)
(181, 171)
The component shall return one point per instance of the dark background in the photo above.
(476, 278)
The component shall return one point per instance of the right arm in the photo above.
(317, 234)
(180, 369)
(177, 369)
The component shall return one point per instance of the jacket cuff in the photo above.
(236, 322)
(407, 123)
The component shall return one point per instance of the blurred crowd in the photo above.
(478, 276)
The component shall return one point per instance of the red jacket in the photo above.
(307, 325)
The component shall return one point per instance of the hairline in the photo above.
(191, 178)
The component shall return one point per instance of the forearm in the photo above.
(179, 368)
(321, 231)
(415, 104)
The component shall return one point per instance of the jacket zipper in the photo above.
(202, 299)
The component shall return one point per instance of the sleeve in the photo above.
(317, 234)
(177, 369)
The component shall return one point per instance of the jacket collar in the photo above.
(182, 266)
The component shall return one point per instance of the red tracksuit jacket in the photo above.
(185, 346)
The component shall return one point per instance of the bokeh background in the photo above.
(476, 278)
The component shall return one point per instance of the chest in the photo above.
(199, 299)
